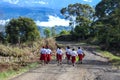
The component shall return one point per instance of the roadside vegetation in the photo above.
(21, 41)
(115, 60)
(12, 71)
(15, 59)
(20, 45)
(99, 26)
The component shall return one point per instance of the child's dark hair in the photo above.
(68, 47)
(78, 47)
(73, 49)
(59, 47)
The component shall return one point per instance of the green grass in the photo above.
(113, 59)
(12, 73)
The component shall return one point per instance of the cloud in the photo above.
(40, 2)
(12, 1)
(53, 21)
(88, 0)
(3, 22)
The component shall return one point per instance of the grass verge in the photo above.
(115, 60)
(12, 73)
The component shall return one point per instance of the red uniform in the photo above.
(59, 54)
(80, 54)
(73, 59)
(43, 55)
(68, 54)
(60, 57)
(48, 53)
(73, 54)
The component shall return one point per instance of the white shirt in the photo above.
(43, 51)
(59, 51)
(48, 51)
(74, 53)
(68, 51)
(79, 51)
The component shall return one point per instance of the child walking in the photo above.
(59, 55)
(43, 55)
(74, 55)
(80, 54)
(48, 54)
(68, 54)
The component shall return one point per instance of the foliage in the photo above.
(13, 51)
(114, 59)
(1, 37)
(106, 7)
(64, 32)
(47, 32)
(53, 33)
(21, 30)
(5, 75)
(24, 52)
(80, 15)
(107, 26)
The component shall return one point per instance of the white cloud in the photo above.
(12, 1)
(3, 22)
(40, 2)
(88, 0)
(53, 21)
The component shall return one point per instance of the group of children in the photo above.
(45, 55)
(71, 55)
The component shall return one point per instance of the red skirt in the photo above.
(59, 57)
(80, 57)
(73, 59)
(43, 57)
(48, 57)
(68, 56)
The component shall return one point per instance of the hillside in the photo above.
(41, 14)
(36, 13)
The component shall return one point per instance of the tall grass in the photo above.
(115, 60)
(12, 73)
(22, 55)
(112, 58)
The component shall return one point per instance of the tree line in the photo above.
(24, 29)
(100, 24)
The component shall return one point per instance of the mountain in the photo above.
(36, 13)
(41, 14)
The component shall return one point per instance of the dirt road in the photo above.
(94, 67)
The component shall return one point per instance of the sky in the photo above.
(50, 3)
(54, 4)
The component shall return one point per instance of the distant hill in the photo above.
(36, 13)
(58, 29)
(9, 11)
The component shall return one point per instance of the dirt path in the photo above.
(94, 67)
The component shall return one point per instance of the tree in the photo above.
(64, 32)
(79, 15)
(53, 31)
(21, 30)
(108, 13)
(106, 7)
(1, 37)
(47, 32)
